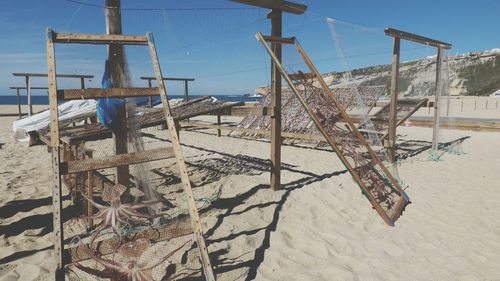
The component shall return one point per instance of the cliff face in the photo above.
(470, 74)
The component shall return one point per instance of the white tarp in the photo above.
(67, 110)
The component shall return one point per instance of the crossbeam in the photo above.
(25, 74)
(93, 164)
(104, 39)
(416, 38)
(285, 6)
(95, 93)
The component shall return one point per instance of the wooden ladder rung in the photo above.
(93, 164)
(180, 228)
(282, 40)
(106, 39)
(301, 76)
(95, 93)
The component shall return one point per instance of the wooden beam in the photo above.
(103, 39)
(437, 107)
(58, 75)
(279, 5)
(276, 17)
(181, 164)
(95, 93)
(393, 114)
(93, 164)
(18, 99)
(117, 72)
(177, 228)
(416, 38)
(168, 78)
(299, 136)
(56, 159)
(279, 40)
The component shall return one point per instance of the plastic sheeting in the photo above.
(67, 110)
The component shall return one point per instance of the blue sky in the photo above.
(218, 48)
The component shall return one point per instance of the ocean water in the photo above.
(42, 100)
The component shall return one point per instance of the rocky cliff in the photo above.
(469, 74)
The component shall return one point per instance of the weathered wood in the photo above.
(352, 130)
(280, 40)
(30, 74)
(299, 136)
(250, 110)
(149, 78)
(391, 147)
(276, 17)
(437, 107)
(116, 160)
(218, 123)
(117, 68)
(285, 6)
(56, 159)
(302, 76)
(18, 99)
(181, 163)
(175, 229)
(104, 39)
(416, 38)
(90, 193)
(95, 93)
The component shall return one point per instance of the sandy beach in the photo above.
(318, 227)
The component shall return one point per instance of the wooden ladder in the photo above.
(61, 168)
(376, 182)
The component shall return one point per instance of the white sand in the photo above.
(319, 227)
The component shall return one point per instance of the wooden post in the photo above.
(19, 104)
(393, 115)
(218, 123)
(56, 159)
(90, 193)
(150, 98)
(28, 94)
(486, 103)
(437, 117)
(186, 90)
(116, 59)
(82, 82)
(276, 17)
(475, 104)
(462, 107)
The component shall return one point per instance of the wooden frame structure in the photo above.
(398, 35)
(278, 7)
(185, 80)
(60, 167)
(377, 183)
(28, 88)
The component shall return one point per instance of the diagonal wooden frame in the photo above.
(52, 38)
(404, 200)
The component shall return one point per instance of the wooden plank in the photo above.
(95, 93)
(149, 78)
(280, 40)
(57, 75)
(416, 38)
(56, 160)
(177, 228)
(104, 39)
(253, 131)
(301, 76)
(276, 32)
(181, 163)
(116, 160)
(391, 148)
(250, 110)
(285, 6)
